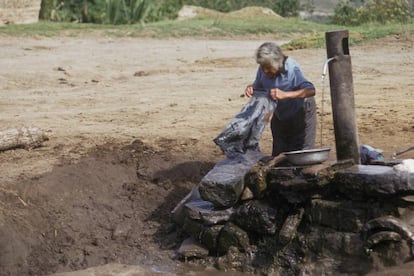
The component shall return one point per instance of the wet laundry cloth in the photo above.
(246, 128)
(368, 154)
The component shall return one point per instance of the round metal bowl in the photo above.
(308, 157)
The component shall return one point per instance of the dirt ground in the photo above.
(130, 125)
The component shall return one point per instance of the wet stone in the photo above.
(348, 216)
(232, 235)
(217, 216)
(233, 260)
(224, 184)
(391, 253)
(247, 194)
(210, 237)
(323, 174)
(330, 243)
(194, 228)
(205, 212)
(289, 229)
(256, 181)
(190, 248)
(337, 217)
(390, 223)
(257, 178)
(178, 215)
(196, 207)
(373, 181)
(256, 216)
(382, 236)
(291, 184)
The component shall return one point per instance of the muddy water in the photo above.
(120, 269)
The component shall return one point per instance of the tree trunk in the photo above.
(25, 137)
(46, 9)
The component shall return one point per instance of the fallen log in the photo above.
(24, 137)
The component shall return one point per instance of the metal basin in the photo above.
(308, 157)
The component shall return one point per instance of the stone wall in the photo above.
(19, 11)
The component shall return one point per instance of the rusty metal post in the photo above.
(342, 96)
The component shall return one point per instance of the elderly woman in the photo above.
(244, 131)
(293, 123)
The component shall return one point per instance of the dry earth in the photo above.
(130, 125)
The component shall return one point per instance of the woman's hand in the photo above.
(249, 91)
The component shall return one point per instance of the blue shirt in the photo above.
(289, 78)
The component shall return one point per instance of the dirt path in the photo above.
(130, 125)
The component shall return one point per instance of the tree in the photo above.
(46, 8)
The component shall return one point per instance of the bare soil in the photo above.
(130, 125)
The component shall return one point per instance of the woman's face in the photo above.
(269, 70)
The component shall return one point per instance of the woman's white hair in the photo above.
(270, 53)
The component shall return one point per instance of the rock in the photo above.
(347, 216)
(194, 208)
(256, 179)
(383, 236)
(204, 211)
(288, 182)
(232, 260)
(390, 253)
(210, 237)
(256, 216)
(194, 228)
(224, 184)
(323, 174)
(247, 194)
(232, 235)
(177, 213)
(389, 223)
(217, 216)
(121, 231)
(330, 243)
(371, 181)
(288, 231)
(192, 249)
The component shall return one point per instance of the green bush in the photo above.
(380, 11)
(389, 11)
(126, 11)
(84, 11)
(134, 11)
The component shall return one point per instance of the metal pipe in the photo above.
(324, 69)
(342, 96)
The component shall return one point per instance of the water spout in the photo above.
(325, 67)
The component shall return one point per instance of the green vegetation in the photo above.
(135, 11)
(379, 11)
(242, 24)
(356, 34)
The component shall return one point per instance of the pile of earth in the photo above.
(111, 206)
(248, 12)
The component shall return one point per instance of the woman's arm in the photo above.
(277, 94)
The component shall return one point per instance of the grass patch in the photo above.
(356, 35)
(300, 33)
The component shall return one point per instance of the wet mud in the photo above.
(111, 206)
